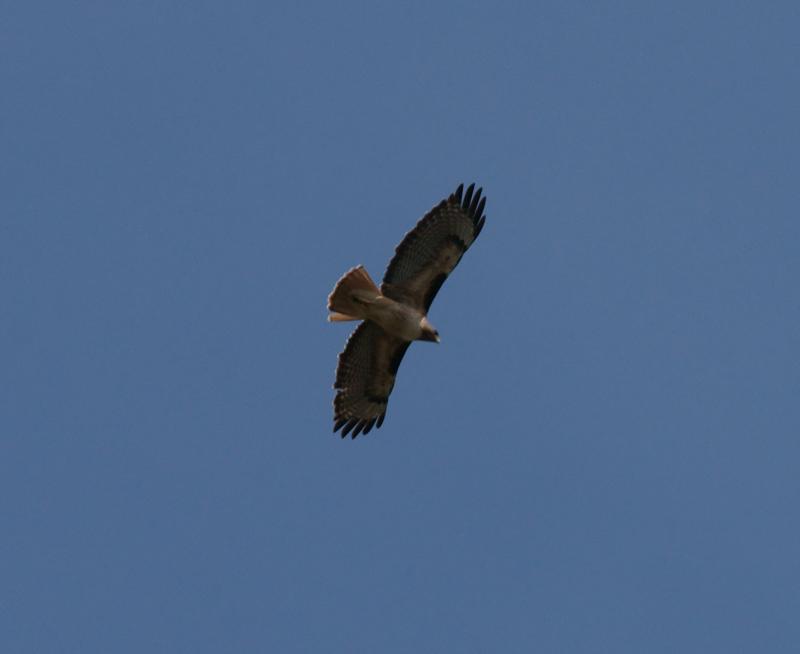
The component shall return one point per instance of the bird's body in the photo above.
(396, 318)
(395, 314)
(400, 320)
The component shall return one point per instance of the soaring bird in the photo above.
(396, 314)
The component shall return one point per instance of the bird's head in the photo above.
(429, 332)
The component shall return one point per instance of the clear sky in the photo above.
(603, 454)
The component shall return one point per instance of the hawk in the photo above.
(395, 314)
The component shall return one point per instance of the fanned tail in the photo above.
(340, 317)
(352, 293)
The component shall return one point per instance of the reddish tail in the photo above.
(351, 295)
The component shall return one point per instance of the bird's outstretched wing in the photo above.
(365, 378)
(430, 251)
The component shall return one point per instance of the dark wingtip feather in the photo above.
(380, 420)
(359, 428)
(479, 226)
(475, 200)
(468, 196)
(339, 424)
(349, 426)
(479, 209)
(458, 192)
(369, 426)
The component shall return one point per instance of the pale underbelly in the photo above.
(397, 319)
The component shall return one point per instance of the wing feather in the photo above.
(430, 251)
(365, 378)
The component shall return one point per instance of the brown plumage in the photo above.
(396, 314)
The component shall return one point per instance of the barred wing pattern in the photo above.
(430, 251)
(365, 378)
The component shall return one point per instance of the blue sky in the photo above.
(601, 456)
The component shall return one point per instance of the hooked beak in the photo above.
(430, 335)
